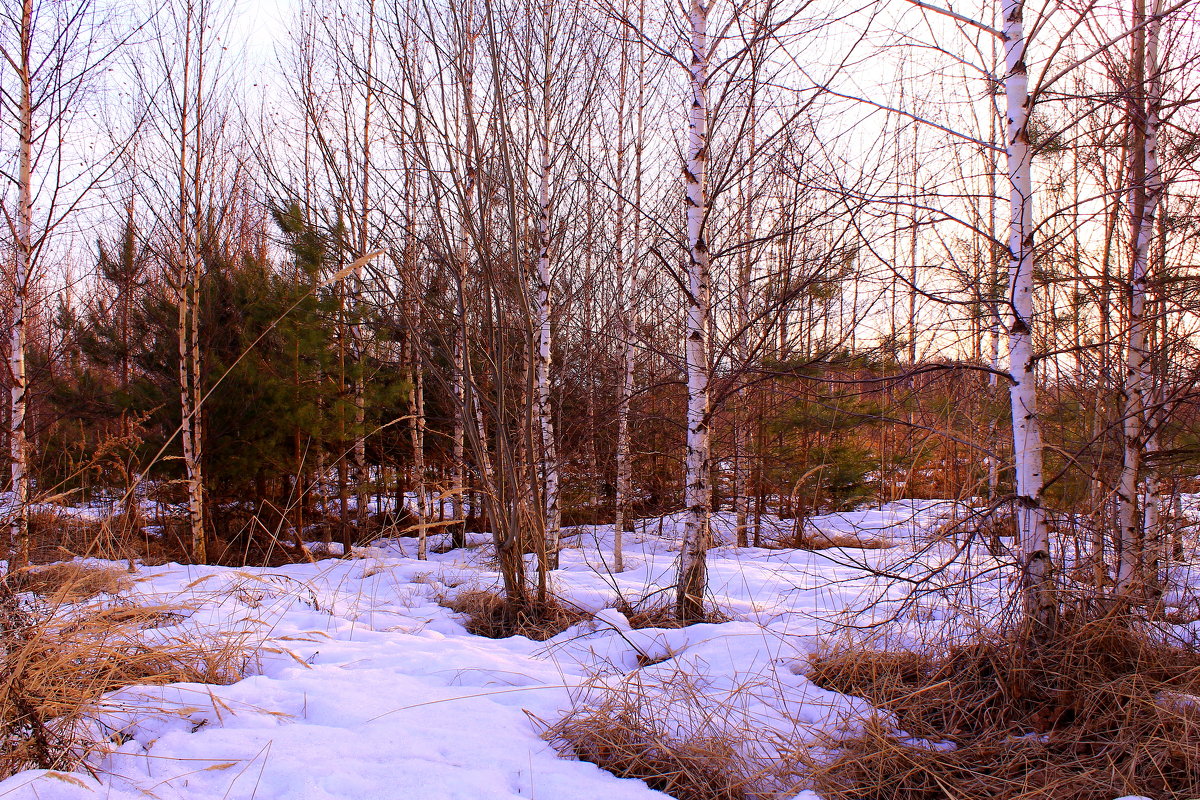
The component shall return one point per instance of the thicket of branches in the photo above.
(440, 255)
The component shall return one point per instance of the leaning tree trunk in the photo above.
(1037, 587)
(697, 495)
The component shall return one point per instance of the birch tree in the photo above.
(697, 491)
(188, 268)
(1036, 567)
(54, 54)
(547, 99)
(362, 248)
(1145, 189)
(22, 62)
(196, 184)
(628, 257)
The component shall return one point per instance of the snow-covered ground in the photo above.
(366, 687)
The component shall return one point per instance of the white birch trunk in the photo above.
(1155, 190)
(1036, 567)
(188, 278)
(542, 372)
(458, 473)
(697, 495)
(416, 429)
(357, 340)
(190, 426)
(20, 551)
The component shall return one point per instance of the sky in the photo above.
(262, 25)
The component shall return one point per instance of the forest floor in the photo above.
(362, 683)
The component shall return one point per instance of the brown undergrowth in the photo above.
(489, 614)
(1106, 708)
(71, 581)
(807, 538)
(56, 532)
(61, 656)
(661, 614)
(670, 732)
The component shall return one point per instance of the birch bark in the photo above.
(697, 494)
(188, 276)
(1036, 566)
(357, 341)
(549, 454)
(21, 280)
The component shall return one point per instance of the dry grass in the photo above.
(55, 533)
(1107, 709)
(59, 659)
(60, 532)
(71, 581)
(674, 736)
(488, 614)
(623, 744)
(809, 539)
(660, 614)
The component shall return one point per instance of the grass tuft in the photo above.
(489, 614)
(1107, 708)
(71, 581)
(807, 538)
(676, 736)
(661, 614)
(61, 657)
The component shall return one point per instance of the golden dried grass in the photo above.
(676, 737)
(809, 539)
(61, 657)
(1105, 709)
(489, 614)
(72, 581)
(661, 613)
